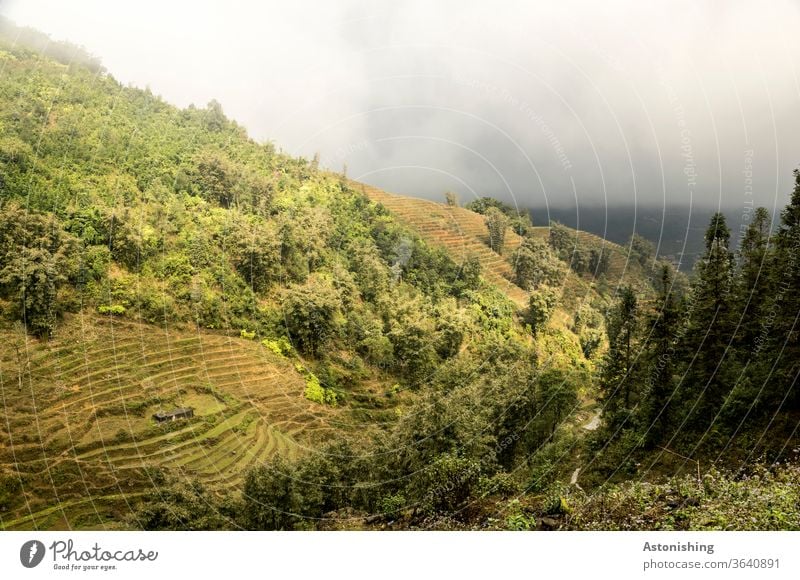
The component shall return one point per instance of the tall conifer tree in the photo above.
(710, 332)
(752, 287)
(619, 380)
(661, 357)
(786, 304)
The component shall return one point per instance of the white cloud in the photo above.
(480, 96)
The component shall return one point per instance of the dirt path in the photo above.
(591, 425)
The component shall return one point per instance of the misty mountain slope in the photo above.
(153, 258)
(677, 231)
(347, 354)
(621, 270)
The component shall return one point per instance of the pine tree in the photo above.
(752, 283)
(710, 332)
(661, 357)
(785, 333)
(618, 379)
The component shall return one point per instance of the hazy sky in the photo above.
(620, 101)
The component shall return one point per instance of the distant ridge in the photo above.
(463, 234)
(460, 231)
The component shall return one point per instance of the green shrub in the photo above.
(113, 309)
(281, 347)
(314, 390)
(392, 505)
(517, 519)
(9, 491)
(123, 436)
(540, 308)
(761, 498)
(446, 484)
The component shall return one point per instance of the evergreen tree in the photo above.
(598, 261)
(661, 357)
(785, 343)
(752, 288)
(618, 380)
(642, 250)
(710, 332)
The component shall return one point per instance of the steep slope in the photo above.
(463, 233)
(460, 231)
(185, 234)
(179, 229)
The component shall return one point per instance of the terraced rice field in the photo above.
(622, 270)
(77, 438)
(463, 233)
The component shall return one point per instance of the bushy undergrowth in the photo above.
(762, 499)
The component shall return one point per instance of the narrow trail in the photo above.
(591, 425)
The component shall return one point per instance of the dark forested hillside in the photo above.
(676, 231)
(710, 376)
(344, 368)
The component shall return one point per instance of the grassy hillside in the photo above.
(464, 234)
(78, 418)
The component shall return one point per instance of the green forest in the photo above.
(606, 390)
